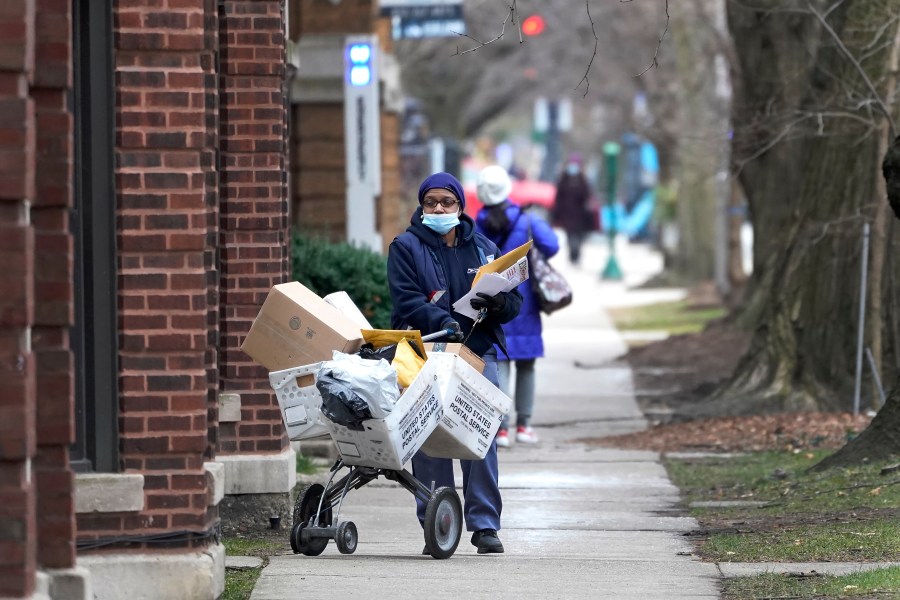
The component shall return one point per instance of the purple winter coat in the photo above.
(523, 334)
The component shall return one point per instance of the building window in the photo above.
(93, 225)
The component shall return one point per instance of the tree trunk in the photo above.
(805, 156)
(880, 440)
(880, 219)
(700, 148)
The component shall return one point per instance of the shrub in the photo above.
(325, 267)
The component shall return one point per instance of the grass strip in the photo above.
(239, 582)
(847, 514)
(674, 317)
(878, 583)
(872, 541)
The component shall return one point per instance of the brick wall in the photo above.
(53, 292)
(167, 188)
(36, 307)
(348, 16)
(254, 207)
(393, 213)
(319, 179)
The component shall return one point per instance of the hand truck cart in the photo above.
(316, 515)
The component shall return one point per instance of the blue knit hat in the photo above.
(443, 181)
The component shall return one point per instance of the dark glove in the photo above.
(456, 335)
(492, 304)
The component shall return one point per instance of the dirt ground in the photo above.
(683, 370)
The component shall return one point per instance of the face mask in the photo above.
(440, 223)
(572, 169)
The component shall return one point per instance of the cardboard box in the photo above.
(387, 443)
(345, 305)
(472, 410)
(296, 327)
(463, 351)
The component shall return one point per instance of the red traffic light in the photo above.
(533, 25)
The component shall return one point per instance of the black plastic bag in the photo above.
(341, 404)
(368, 351)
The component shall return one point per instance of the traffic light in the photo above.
(533, 25)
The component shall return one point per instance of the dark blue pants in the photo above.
(481, 492)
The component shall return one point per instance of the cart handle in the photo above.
(438, 334)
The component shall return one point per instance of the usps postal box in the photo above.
(390, 443)
(300, 401)
(473, 408)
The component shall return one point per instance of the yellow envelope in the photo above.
(379, 338)
(504, 262)
(407, 363)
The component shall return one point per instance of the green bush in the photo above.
(325, 267)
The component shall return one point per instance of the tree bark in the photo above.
(879, 441)
(879, 225)
(804, 156)
(700, 150)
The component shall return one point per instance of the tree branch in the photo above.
(512, 14)
(585, 79)
(654, 62)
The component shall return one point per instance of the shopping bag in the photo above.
(550, 288)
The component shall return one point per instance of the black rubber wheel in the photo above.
(443, 523)
(304, 509)
(346, 538)
(295, 537)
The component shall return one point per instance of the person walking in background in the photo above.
(570, 210)
(508, 226)
(430, 266)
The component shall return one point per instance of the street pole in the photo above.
(611, 155)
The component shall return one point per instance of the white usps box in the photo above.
(473, 409)
(299, 401)
(390, 443)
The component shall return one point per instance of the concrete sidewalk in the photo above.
(578, 522)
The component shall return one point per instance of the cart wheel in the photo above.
(311, 547)
(443, 522)
(308, 503)
(346, 537)
(304, 509)
(295, 537)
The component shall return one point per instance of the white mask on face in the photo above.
(573, 169)
(440, 223)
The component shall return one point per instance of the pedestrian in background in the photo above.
(570, 210)
(508, 226)
(430, 266)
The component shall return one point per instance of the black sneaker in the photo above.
(487, 542)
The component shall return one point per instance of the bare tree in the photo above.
(807, 117)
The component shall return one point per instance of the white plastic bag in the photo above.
(375, 381)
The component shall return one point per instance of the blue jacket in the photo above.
(523, 334)
(426, 277)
